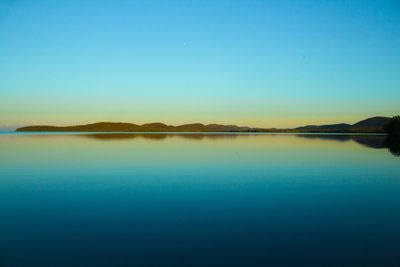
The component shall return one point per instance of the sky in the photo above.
(254, 63)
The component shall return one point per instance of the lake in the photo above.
(199, 200)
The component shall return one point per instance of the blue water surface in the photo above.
(198, 200)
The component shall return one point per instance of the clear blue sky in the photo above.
(256, 63)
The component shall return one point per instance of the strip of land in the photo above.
(370, 125)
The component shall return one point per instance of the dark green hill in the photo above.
(374, 124)
(371, 125)
(94, 127)
(130, 127)
(330, 127)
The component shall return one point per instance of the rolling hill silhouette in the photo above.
(370, 125)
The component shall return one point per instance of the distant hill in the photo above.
(130, 127)
(371, 125)
(329, 127)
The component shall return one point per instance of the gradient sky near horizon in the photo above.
(255, 63)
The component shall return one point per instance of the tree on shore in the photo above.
(393, 126)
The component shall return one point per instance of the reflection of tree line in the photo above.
(392, 143)
(373, 141)
(152, 136)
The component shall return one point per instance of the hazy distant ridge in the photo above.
(370, 125)
(148, 127)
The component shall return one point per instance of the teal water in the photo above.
(199, 200)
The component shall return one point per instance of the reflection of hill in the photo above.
(333, 137)
(124, 136)
(372, 141)
(392, 143)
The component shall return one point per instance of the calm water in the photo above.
(198, 200)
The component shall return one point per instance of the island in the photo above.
(370, 125)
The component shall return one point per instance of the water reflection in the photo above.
(126, 199)
(372, 141)
(391, 143)
(161, 136)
